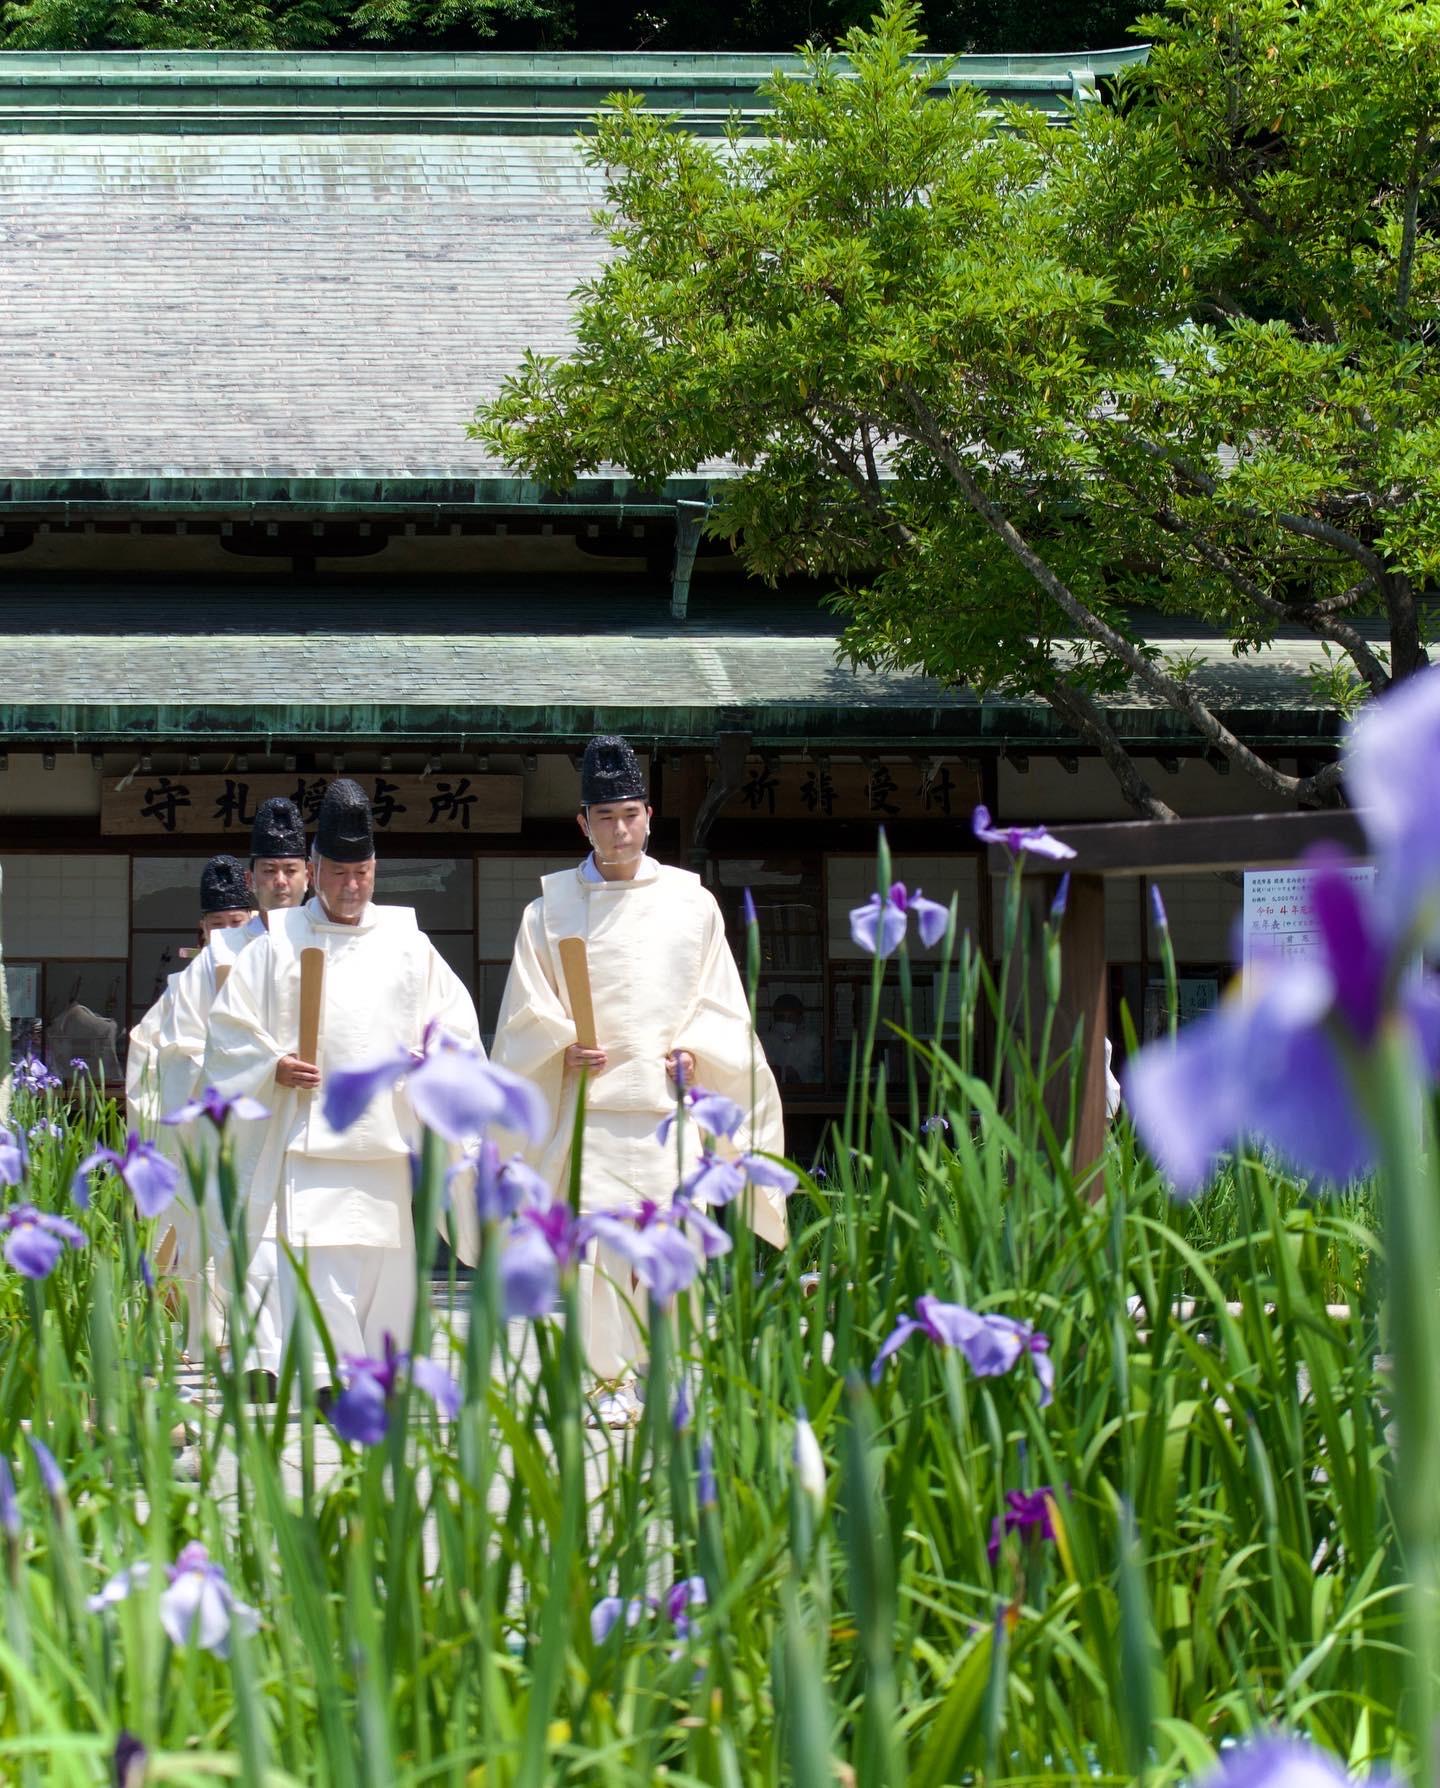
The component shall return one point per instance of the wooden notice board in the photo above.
(449, 802)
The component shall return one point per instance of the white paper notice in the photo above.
(1279, 920)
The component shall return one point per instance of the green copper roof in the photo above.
(535, 663)
(488, 91)
(249, 279)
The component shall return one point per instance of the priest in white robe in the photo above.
(340, 1200)
(278, 877)
(668, 1001)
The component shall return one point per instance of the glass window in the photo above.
(84, 1005)
(166, 894)
(441, 890)
(154, 957)
(65, 905)
(507, 885)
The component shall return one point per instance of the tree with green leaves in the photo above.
(261, 24)
(1009, 387)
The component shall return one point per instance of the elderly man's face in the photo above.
(232, 916)
(345, 888)
(278, 881)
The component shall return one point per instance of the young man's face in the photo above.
(278, 881)
(345, 888)
(235, 915)
(616, 829)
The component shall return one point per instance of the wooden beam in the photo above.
(1175, 847)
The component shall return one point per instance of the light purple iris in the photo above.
(1386, 752)
(650, 1242)
(1061, 900)
(1018, 839)
(500, 1187)
(543, 1243)
(605, 1615)
(45, 1127)
(879, 926)
(14, 1157)
(197, 1607)
(719, 1180)
(214, 1105)
(1276, 1761)
(1027, 1512)
(711, 1113)
(153, 1181)
(992, 1345)
(32, 1076)
(453, 1091)
(361, 1413)
(1271, 1061)
(35, 1240)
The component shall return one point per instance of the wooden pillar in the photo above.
(1084, 1000)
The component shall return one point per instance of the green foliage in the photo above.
(1009, 386)
(1221, 1483)
(257, 24)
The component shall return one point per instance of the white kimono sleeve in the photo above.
(729, 1059)
(534, 1029)
(241, 1054)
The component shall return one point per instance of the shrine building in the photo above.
(251, 302)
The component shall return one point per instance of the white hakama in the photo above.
(340, 1200)
(662, 978)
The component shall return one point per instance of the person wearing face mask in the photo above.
(670, 1012)
(795, 1053)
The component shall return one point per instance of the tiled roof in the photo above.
(513, 665)
(261, 268)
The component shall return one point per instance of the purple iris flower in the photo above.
(131, 1761)
(32, 1076)
(214, 1105)
(605, 1615)
(501, 1187)
(686, 1594)
(1019, 839)
(151, 1178)
(719, 1180)
(879, 926)
(45, 1127)
(992, 1345)
(1061, 900)
(1275, 1761)
(682, 1413)
(1385, 752)
(711, 1113)
(657, 1253)
(453, 1091)
(1027, 1512)
(747, 907)
(1157, 909)
(10, 1523)
(35, 1240)
(361, 1413)
(1271, 1060)
(543, 1243)
(935, 1125)
(14, 1157)
(51, 1476)
(198, 1606)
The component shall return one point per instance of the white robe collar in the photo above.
(589, 874)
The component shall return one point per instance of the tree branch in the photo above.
(1074, 703)
(1343, 635)
(1173, 693)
